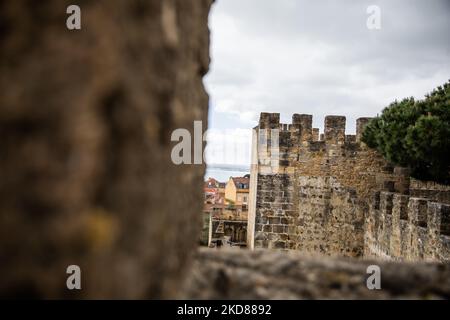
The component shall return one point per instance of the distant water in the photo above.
(223, 172)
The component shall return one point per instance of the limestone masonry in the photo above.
(331, 194)
(267, 274)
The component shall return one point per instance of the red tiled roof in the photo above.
(241, 182)
(211, 183)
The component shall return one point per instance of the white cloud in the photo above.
(230, 146)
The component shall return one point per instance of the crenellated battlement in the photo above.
(269, 121)
(283, 145)
(302, 129)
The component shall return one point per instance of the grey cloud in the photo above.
(319, 57)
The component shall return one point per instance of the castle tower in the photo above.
(314, 193)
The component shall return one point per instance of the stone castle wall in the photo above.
(402, 227)
(316, 195)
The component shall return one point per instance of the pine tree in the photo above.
(415, 134)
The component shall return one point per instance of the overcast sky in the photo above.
(319, 57)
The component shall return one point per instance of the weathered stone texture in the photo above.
(322, 183)
(430, 190)
(416, 229)
(324, 195)
(263, 274)
(85, 123)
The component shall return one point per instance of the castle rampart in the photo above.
(329, 193)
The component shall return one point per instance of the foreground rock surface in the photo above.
(86, 117)
(241, 274)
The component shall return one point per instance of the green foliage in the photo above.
(415, 134)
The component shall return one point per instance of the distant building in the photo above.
(214, 191)
(211, 186)
(212, 183)
(222, 186)
(225, 221)
(237, 190)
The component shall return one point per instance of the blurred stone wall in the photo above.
(270, 274)
(86, 118)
